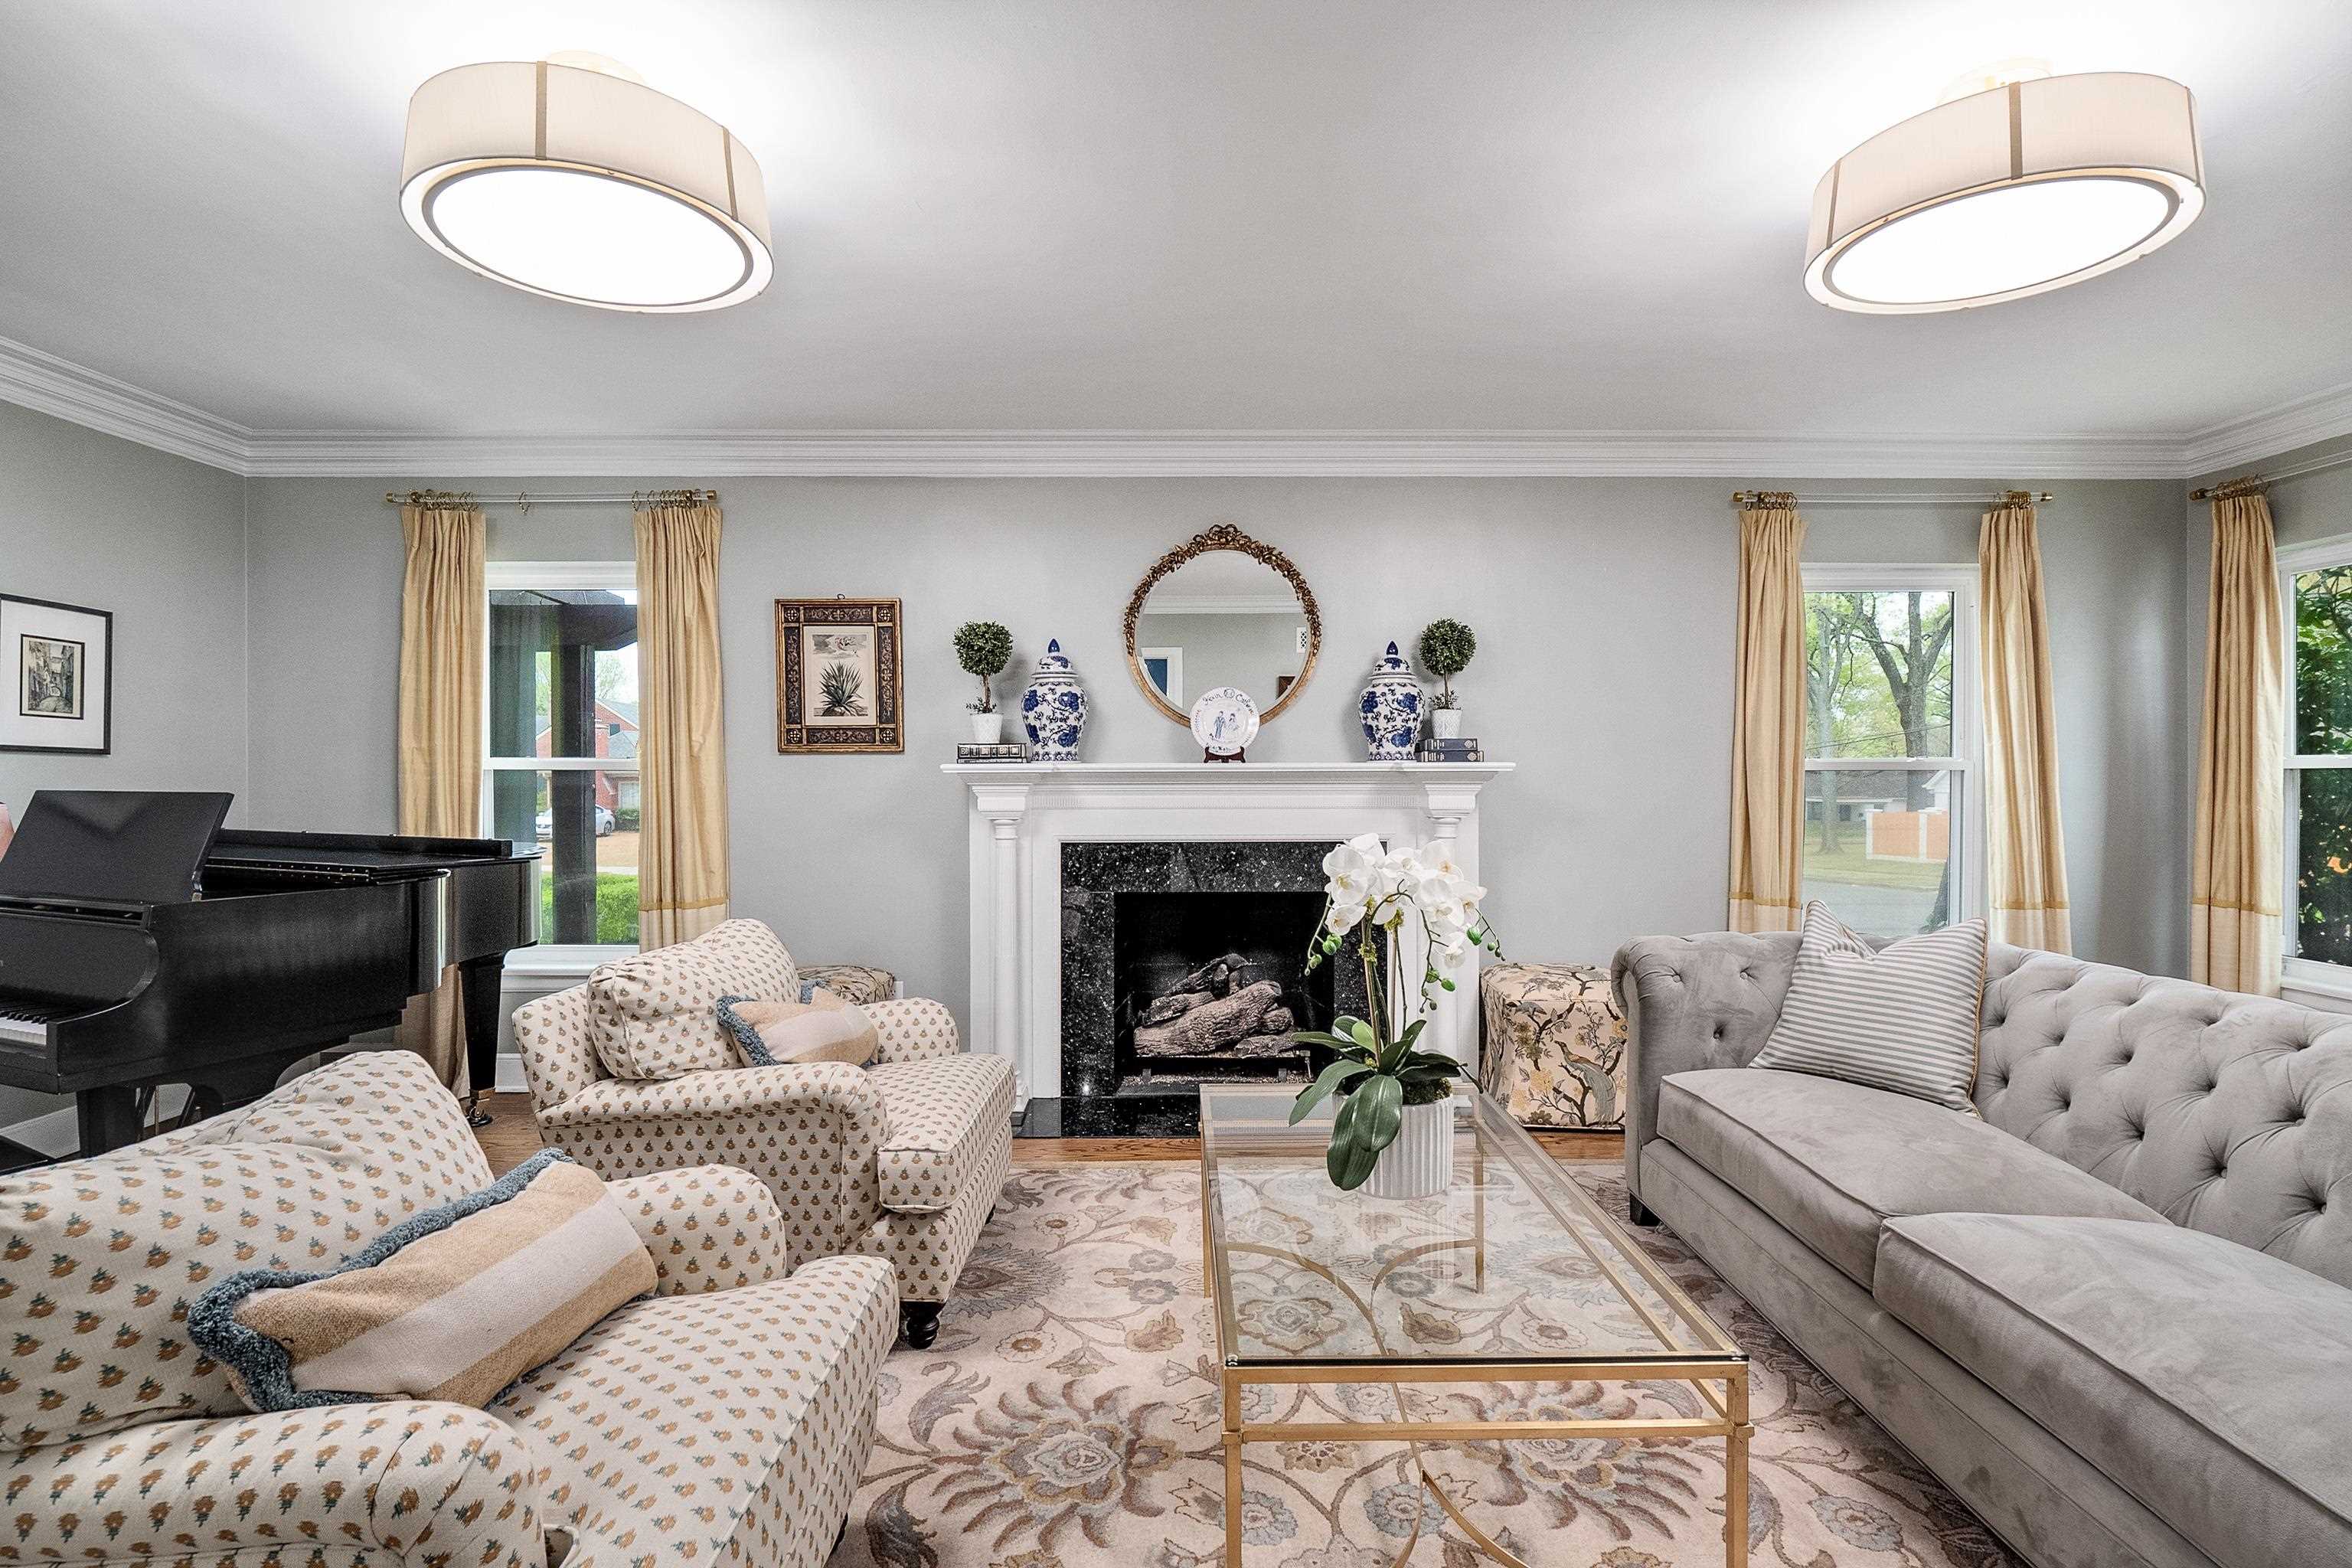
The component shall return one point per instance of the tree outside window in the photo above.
(2320, 769)
(1884, 781)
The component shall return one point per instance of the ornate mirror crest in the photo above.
(1223, 536)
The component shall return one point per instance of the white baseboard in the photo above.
(509, 1078)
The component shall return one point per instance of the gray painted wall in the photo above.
(1603, 609)
(87, 518)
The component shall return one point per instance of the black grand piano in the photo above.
(141, 944)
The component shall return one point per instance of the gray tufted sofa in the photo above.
(2114, 1314)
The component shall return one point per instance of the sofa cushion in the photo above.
(657, 1011)
(1831, 1160)
(102, 1260)
(2207, 1380)
(1900, 1018)
(945, 1115)
(668, 1426)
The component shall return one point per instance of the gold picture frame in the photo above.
(839, 676)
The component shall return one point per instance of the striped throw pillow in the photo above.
(1902, 1017)
(454, 1303)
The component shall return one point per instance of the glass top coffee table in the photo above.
(1510, 1274)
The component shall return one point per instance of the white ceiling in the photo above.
(1214, 214)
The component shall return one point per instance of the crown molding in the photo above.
(38, 380)
(2268, 432)
(35, 379)
(1105, 453)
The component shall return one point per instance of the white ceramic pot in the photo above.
(988, 729)
(1445, 723)
(1420, 1160)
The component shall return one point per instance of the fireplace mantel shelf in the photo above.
(1224, 775)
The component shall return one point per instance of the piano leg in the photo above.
(480, 979)
(109, 1117)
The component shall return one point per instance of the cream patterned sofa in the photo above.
(724, 1419)
(900, 1160)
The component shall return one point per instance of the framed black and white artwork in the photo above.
(60, 660)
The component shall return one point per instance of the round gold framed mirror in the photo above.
(1223, 609)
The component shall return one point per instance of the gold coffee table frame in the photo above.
(1248, 1121)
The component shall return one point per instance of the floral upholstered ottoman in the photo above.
(1555, 1045)
(856, 982)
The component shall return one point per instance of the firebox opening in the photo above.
(1210, 984)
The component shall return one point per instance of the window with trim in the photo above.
(1890, 738)
(561, 757)
(2315, 582)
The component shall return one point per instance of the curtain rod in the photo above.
(1890, 498)
(2250, 483)
(523, 500)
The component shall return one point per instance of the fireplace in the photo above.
(1184, 963)
(1209, 985)
(1052, 845)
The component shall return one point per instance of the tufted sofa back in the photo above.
(2225, 1112)
(2228, 1113)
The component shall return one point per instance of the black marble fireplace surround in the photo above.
(1093, 877)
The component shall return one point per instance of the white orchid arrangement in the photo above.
(1370, 892)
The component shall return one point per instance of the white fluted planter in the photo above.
(1420, 1160)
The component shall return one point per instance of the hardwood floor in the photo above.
(511, 1138)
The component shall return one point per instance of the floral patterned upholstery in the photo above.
(856, 982)
(726, 1418)
(901, 1160)
(1555, 1045)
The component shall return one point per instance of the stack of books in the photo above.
(1460, 750)
(998, 752)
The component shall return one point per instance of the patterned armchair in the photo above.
(121, 1444)
(900, 1160)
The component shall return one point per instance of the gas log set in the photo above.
(1223, 1009)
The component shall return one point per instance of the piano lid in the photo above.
(141, 845)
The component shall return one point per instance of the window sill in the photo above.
(2326, 983)
(551, 962)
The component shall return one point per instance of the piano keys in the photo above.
(141, 944)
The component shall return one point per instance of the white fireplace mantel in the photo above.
(1021, 815)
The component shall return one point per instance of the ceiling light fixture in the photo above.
(571, 179)
(2040, 182)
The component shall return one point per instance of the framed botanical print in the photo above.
(838, 676)
(60, 660)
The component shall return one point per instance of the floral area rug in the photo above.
(1068, 1416)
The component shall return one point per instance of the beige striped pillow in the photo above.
(455, 1304)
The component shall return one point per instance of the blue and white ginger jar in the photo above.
(1391, 709)
(1053, 709)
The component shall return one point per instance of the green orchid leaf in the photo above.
(1413, 1031)
(1318, 1037)
(1380, 1114)
(1350, 1164)
(1326, 1083)
(1358, 1031)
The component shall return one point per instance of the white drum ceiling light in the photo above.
(2034, 185)
(580, 183)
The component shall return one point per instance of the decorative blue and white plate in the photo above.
(1225, 720)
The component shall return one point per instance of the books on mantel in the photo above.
(1460, 750)
(997, 752)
